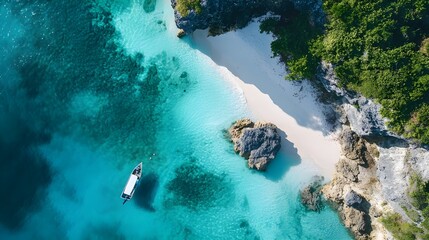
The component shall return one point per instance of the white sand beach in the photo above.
(292, 107)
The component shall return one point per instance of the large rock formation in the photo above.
(355, 220)
(355, 188)
(257, 142)
(224, 15)
(354, 147)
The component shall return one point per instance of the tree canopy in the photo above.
(378, 47)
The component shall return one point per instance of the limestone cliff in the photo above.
(384, 180)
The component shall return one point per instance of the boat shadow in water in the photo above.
(146, 191)
(285, 159)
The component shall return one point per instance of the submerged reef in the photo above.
(194, 187)
(311, 195)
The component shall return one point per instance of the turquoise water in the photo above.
(88, 90)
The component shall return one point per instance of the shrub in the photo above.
(183, 6)
(399, 228)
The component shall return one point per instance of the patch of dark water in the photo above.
(73, 78)
(24, 173)
(196, 188)
(149, 5)
(146, 191)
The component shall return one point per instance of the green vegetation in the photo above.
(419, 194)
(375, 48)
(183, 6)
(418, 213)
(399, 228)
(294, 37)
(412, 214)
(378, 47)
(425, 46)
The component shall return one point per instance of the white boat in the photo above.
(131, 185)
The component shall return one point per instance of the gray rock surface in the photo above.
(357, 222)
(352, 199)
(419, 161)
(363, 114)
(351, 146)
(257, 142)
(224, 15)
(348, 169)
(364, 117)
(236, 129)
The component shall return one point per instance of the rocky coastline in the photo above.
(375, 164)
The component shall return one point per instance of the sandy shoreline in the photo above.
(247, 55)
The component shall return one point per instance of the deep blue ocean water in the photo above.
(90, 88)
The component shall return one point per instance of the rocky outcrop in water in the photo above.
(311, 195)
(223, 15)
(257, 142)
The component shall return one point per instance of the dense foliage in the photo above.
(399, 228)
(378, 47)
(183, 6)
(418, 213)
(419, 194)
(294, 38)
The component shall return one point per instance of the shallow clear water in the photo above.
(88, 90)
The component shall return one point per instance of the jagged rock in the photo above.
(352, 146)
(363, 115)
(181, 33)
(236, 129)
(358, 211)
(352, 199)
(365, 118)
(258, 143)
(311, 196)
(334, 189)
(357, 222)
(224, 15)
(348, 169)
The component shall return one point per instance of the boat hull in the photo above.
(132, 183)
